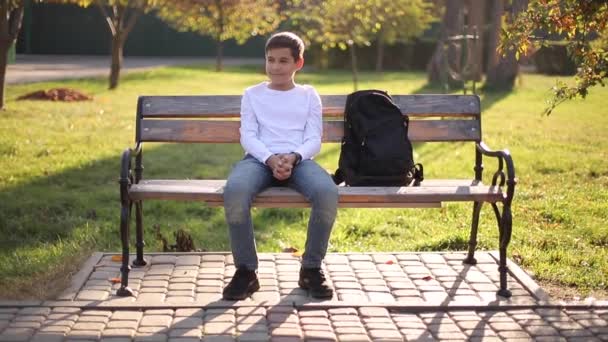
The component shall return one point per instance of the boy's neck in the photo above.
(283, 87)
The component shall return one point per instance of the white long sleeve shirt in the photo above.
(276, 121)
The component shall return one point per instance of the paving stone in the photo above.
(373, 312)
(385, 335)
(353, 338)
(122, 325)
(253, 337)
(188, 260)
(16, 334)
(219, 328)
(118, 333)
(218, 338)
(380, 297)
(251, 311)
(187, 323)
(513, 334)
(318, 335)
(163, 259)
(342, 311)
(159, 337)
(116, 339)
(225, 317)
(92, 295)
(126, 315)
(196, 333)
(90, 326)
(417, 335)
(47, 337)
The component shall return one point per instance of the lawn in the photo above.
(60, 163)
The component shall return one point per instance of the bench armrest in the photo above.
(504, 161)
(126, 172)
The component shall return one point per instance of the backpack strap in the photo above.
(338, 176)
(418, 174)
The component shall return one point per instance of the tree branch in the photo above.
(135, 13)
(107, 16)
(16, 18)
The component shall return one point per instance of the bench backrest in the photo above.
(214, 119)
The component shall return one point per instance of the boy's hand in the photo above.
(289, 158)
(280, 166)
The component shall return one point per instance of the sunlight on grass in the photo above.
(60, 161)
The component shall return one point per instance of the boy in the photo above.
(281, 127)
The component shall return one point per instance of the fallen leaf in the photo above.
(115, 280)
(427, 278)
(290, 250)
(116, 257)
(390, 262)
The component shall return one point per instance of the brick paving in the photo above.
(400, 278)
(379, 297)
(284, 323)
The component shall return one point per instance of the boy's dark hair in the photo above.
(286, 40)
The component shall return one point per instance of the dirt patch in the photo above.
(57, 94)
(560, 292)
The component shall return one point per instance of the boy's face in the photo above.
(281, 67)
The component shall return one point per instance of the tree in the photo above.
(121, 16)
(342, 24)
(222, 19)
(476, 26)
(583, 24)
(451, 25)
(398, 21)
(11, 15)
(503, 68)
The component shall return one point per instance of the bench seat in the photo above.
(430, 194)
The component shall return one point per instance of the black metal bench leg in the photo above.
(139, 235)
(505, 237)
(470, 260)
(125, 218)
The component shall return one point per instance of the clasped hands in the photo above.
(281, 165)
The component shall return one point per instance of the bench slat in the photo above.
(212, 191)
(229, 105)
(209, 131)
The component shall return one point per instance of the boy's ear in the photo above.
(300, 63)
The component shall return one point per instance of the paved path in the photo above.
(36, 68)
(379, 297)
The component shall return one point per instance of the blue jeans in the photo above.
(249, 177)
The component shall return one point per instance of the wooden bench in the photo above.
(214, 119)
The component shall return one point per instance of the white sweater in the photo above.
(276, 121)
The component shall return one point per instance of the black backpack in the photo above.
(376, 150)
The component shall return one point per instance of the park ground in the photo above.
(60, 163)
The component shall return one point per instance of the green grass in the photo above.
(60, 163)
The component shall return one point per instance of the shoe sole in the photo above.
(314, 294)
(250, 290)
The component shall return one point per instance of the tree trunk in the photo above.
(10, 24)
(502, 71)
(3, 64)
(353, 61)
(219, 55)
(450, 55)
(476, 24)
(380, 52)
(117, 46)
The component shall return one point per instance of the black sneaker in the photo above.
(243, 284)
(314, 280)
